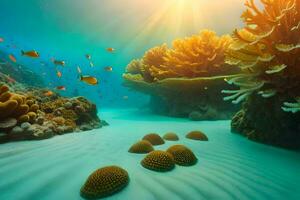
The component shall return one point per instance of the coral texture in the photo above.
(196, 135)
(200, 55)
(13, 105)
(142, 146)
(182, 155)
(267, 51)
(171, 136)
(183, 78)
(158, 161)
(104, 182)
(41, 117)
(154, 139)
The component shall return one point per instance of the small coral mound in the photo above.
(196, 135)
(154, 139)
(182, 155)
(104, 182)
(171, 137)
(142, 146)
(160, 161)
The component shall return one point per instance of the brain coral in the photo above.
(267, 51)
(182, 155)
(158, 161)
(142, 146)
(196, 135)
(15, 106)
(104, 182)
(154, 139)
(171, 137)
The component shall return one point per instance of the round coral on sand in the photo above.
(171, 137)
(104, 182)
(154, 139)
(182, 155)
(197, 135)
(158, 161)
(142, 146)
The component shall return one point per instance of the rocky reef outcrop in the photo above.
(185, 80)
(267, 51)
(28, 114)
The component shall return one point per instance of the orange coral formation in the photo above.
(104, 182)
(197, 56)
(15, 106)
(267, 50)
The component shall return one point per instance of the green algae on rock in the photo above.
(104, 182)
(160, 161)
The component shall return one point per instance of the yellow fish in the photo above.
(110, 49)
(32, 54)
(89, 80)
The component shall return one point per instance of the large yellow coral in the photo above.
(267, 50)
(200, 55)
(15, 106)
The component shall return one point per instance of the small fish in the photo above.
(108, 68)
(79, 70)
(88, 56)
(89, 80)
(59, 62)
(59, 74)
(48, 93)
(61, 88)
(110, 49)
(32, 54)
(91, 64)
(1, 40)
(125, 97)
(12, 58)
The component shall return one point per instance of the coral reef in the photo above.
(104, 182)
(160, 161)
(27, 114)
(171, 136)
(15, 72)
(154, 139)
(267, 51)
(196, 135)
(187, 78)
(16, 106)
(142, 146)
(182, 155)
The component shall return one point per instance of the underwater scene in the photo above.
(150, 99)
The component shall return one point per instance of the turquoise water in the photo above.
(70, 29)
(229, 167)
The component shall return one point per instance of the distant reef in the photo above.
(18, 72)
(30, 113)
(187, 79)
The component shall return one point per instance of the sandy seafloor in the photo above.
(229, 166)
